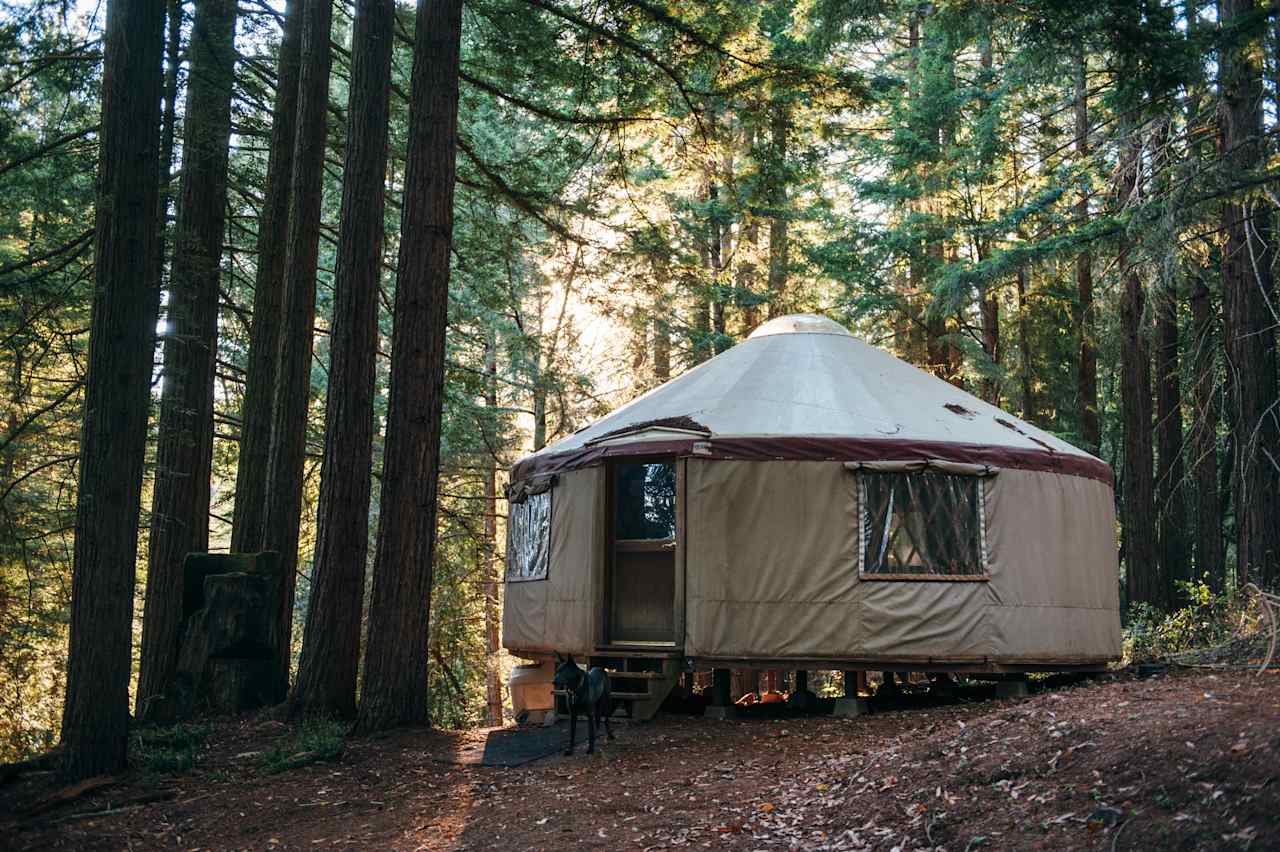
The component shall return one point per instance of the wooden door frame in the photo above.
(605, 597)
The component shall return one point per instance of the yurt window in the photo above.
(921, 524)
(646, 503)
(529, 533)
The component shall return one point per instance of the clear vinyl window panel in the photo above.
(921, 523)
(645, 507)
(529, 538)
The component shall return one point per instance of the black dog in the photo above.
(588, 691)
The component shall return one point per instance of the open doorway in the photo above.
(643, 526)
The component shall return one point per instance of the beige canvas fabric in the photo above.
(772, 572)
(808, 376)
(559, 613)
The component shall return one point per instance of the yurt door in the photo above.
(642, 552)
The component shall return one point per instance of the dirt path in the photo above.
(1187, 761)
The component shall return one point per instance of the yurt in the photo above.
(806, 500)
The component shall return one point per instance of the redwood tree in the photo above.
(268, 289)
(395, 664)
(184, 448)
(331, 642)
(1087, 363)
(95, 720)
(282, 499)
(1248, 304)
(1138, 481)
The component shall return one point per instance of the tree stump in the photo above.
(229, 661)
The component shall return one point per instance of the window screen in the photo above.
(529, 537)
(921, 523)
(645, 502)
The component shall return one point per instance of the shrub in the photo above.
(1208, 620)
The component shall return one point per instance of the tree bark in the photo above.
(1174, 563)
(1087, 363)
(95, 720)
(282, 512)
(1204, 438)
(661, 349)
(1250, 311)
(990, 309)
(1026, 372)
(779, 248)
(168, 120)
(1139, 517)
(268, 290)
(184, 446)
(489, 552)
(331, 640)
(395, 670)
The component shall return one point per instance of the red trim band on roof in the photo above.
(825, 449)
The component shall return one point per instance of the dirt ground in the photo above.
(1187, 760)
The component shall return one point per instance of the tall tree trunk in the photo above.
(1209, 555)
(184, 447)
(282, 512)
(537, 380)
(95, 719)
(168, 121)
(1026, 373)
(1087, 363)
(1250, 310)
(331, 640)
(1204, 438)
(724, 245)
(489, 551)
(748, 245)
(911, 330)
(395, 670)
(268, 295)
(661, 348)
(990, 310)
(1142, 567)
(1174, 563)
(779, 249)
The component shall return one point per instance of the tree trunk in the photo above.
(661, 349)
(184, 446)
(489, 551)
(1142, 571)
(395, 670)
(1249, 310)
(95, 720)
(724, 243)
(331, 640)
(1204, 439)
(268, 290)
(168, 120)
(990, 310)
(1174, 563)
(1027, 402)
(777, 199)
(1087, 364)
(282, 512)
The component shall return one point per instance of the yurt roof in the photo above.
(802, 386)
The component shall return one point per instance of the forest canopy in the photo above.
(1065, 208)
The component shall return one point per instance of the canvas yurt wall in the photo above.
(773, 572)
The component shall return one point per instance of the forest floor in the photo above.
(1186, 760)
